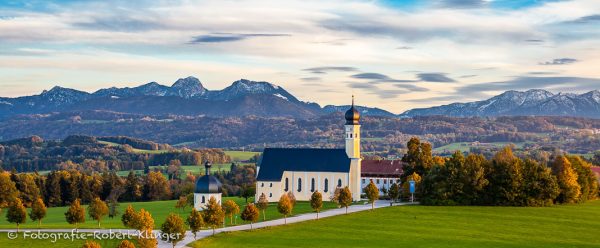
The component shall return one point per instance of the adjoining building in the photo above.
(207, 186)
(303, 171)
(383, 173)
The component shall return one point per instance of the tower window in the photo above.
(299, 184)
(312, 185)
(350, 135)
(326, 185)
(339, 182)
(286, 185)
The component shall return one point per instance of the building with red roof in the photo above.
(382, 172)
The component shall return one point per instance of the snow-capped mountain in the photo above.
(531, 102)
(244, 87)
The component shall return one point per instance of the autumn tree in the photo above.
(126, 244)
(567, 180)
(506, 181)
(316, 202)
(292, 198)
(250, 213)
(38, 211)
(97, 209)
(8, 190)
(75, 214)
(91, 244)
(195, 221)
(145, 224)
(284, 207)
(133, 187)
(130, 217)
(406, 185)
(345, 198)
(231, 208)
(394, 192)
(540, 186)
(372, 193)
(585, 178)
(418, 158)
(181, 203)
(173, 229)
(262, 204)
(16, 213)
(156, 186)
(213, 214)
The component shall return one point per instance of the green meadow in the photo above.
(430, 226)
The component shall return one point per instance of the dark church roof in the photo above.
(208, 184)
(277, 160)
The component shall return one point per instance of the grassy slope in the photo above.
(240, 155)
(55, 217)
(465, 146)
(423, 226)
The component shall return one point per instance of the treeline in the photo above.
(504, 180)
(85, 153)
(136, 143)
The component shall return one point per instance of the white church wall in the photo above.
(200, 200)
(304, 192)
(380, 182)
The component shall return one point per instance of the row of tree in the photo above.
(505, 179)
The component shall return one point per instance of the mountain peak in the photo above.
(188, 87)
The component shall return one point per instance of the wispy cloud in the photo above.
(435, 77)
(228, 37)
(561, 61)
(325, 69)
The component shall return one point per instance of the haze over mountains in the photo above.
(187, 96)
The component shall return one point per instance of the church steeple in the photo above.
(352, 129)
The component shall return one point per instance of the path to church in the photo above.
(189, 237)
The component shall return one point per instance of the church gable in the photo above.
(277, 160)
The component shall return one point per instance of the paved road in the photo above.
(189, 237)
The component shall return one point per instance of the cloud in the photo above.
(584, 19)
(463, 3)
(228, 37)
(468, 76)
(404, 48)
(119, 24)
(325, 69)
(311, 79)
(562, 61)
(568, 84)
(371, 75)
(411, 87)
(435, 77)
(542, 73)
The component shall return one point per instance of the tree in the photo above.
(129, 218)
(126, 244)
(262, 204)
(567, 180)
(248, 191)
(316, 202)
(345, 198)
(156, 187)
(181, 203)
(75, 214)
(250, 213)
(97, 209)
(292, 199)
(133, 188)
(372, 193)
(418, 158)
(38, 211)
(173, 229)
(16, 213)
(145, 224)
(231, 208)
(284, 207)
(195, 221)
(213, 214)
(91, 244)
(505, 179)
(394, 192)
(540, 186)
(8, 190)
(585, 178)
(406, 184)
(113, 208)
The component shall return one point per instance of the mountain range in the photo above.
(187, 96)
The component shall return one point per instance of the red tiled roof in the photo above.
(381, 168)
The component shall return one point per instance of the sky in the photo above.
(395, 55)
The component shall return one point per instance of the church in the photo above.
(303, 171)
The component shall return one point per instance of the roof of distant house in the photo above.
(391, 168)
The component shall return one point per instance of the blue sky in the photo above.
(395, 55)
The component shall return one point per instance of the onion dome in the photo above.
(208, 184)
(352, 115)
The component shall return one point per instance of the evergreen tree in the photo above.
(394, 192)
(53, 189)
(133, 188)
(113, 208)
(38, 211)
(372, 193)
(16, 213)
(567, 180)
(250, 213)
(97, 209)
(284, 207)
(345, 198)
(213, 214)
(316, 202)
(75, 214)
(262, 205)
(231, 208)
(195, 221)
(173, 229)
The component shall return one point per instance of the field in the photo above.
(159, 210)
(47, 243)
(424, 226)
(466, 146)
(134, 149)
(240, 155)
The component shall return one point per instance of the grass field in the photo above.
(466, 146)
(133, 149)
(424, 226)
(55, 217)
(240, 155)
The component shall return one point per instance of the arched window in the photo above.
(312, 185)
(286, 185)
(271, 185)
(299, 184)
(202, 199)
(262, 185)
(340, 182)
(270, 194)
(350, 135)
(326, 185)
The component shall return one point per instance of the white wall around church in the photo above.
(380, 182)
(302, 190)
(200, 200)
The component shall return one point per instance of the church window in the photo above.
(270, 194)
(271, 185)
(326, 185)
(286, 185)
(377, 181)
(262, 185)
(363, 181)
(350, 135)
(384, 181)
(312, 185)
(339, 182)
(202, 199)
(299, 184)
